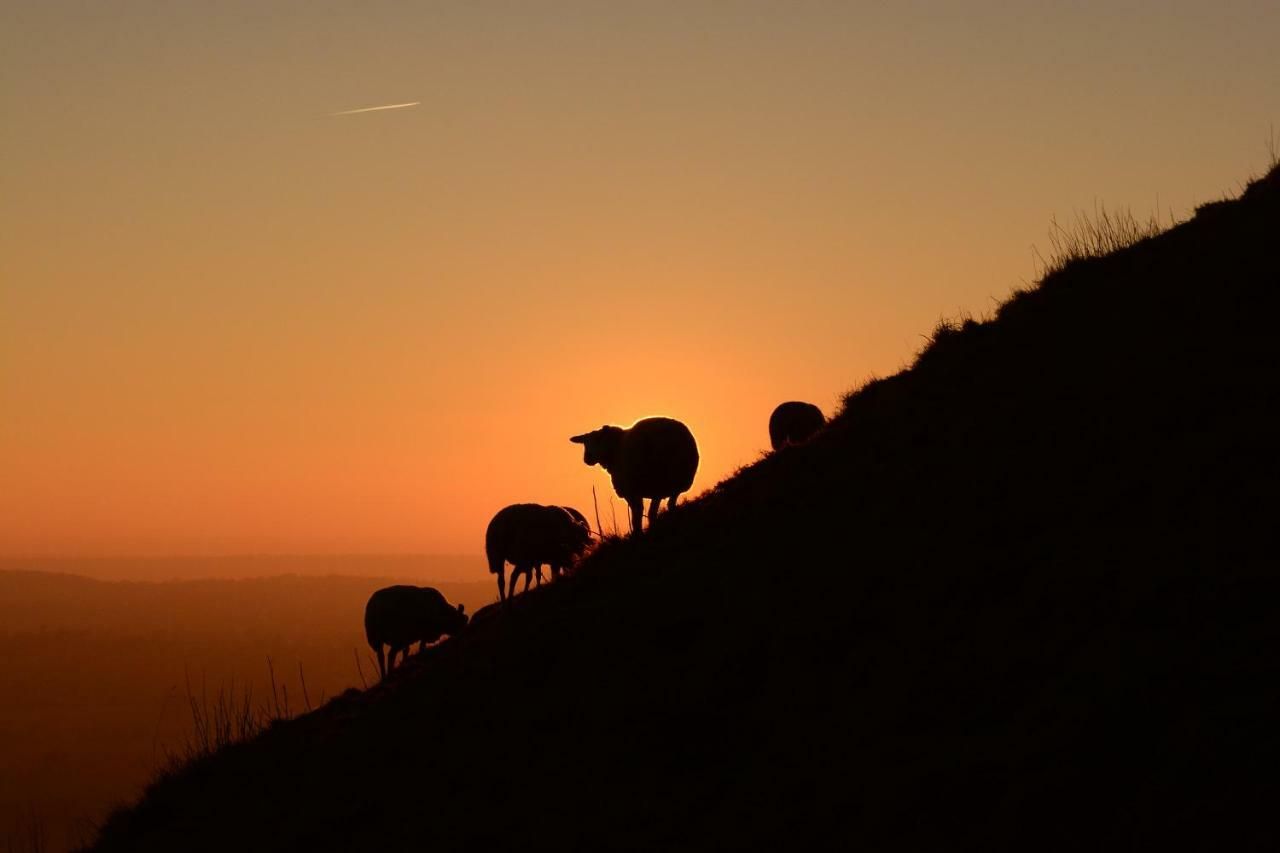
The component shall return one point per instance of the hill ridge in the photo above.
(1040, 565)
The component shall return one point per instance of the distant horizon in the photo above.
(243, 555)
(442, 568)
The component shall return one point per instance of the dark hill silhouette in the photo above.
(1048, 619)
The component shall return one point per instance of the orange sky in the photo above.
(231, 322)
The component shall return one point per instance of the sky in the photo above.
(235, 321)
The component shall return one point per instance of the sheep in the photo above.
(399, 616)
(794, 423)
(557, 568)
(563, 566)
(528, 535)
(654, 458)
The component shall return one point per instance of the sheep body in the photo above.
(794, 423)
(399, 616)
(654, 458)
(529, 535)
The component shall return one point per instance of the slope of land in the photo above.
(94, 678)
(1048, 584)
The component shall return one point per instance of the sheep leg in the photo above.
(653, 509)
(382, 662)
(637, 514)
(671, 502)
(502, 579)
(511, 584)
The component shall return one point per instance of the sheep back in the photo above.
(658, 458)
(533, 534)
(794, 422)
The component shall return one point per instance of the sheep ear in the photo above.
(579, 439)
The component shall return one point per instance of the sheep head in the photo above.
(600, 447)
(575, 533)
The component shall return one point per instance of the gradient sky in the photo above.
(232, 322)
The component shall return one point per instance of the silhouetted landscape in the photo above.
(95, 675)
(1018, 596)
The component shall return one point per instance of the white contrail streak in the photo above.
(375, 109)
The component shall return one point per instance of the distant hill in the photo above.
(458, 568)
(296, 605)
(94, 677)
(1046, 580)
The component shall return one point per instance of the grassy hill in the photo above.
(1046, 591)
(95, 678)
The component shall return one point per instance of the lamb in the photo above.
(654, 458)
(399, 616)
(794, 423)
(529, 535)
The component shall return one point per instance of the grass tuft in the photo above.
(29, 836)
(1095, 236)
(230, 716)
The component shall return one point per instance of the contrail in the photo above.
(375, 109)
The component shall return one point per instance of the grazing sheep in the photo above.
(399, 616)
(654, 458)
(557, 568)
(794, 423)
(528, 535)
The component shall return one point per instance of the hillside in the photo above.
(94, 677)
(1047, 578)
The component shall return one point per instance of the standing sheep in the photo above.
(654, 458)
(399, 616)
(529, 535)
(794, 423)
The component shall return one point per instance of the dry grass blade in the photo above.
(31, 835)
(230, 716)
(364, 682)
(1094, 236)
(596, 503)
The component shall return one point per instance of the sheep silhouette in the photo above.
(794, 423)
(557, 569)
(399, 616)
(529, 535)
(654, 458)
